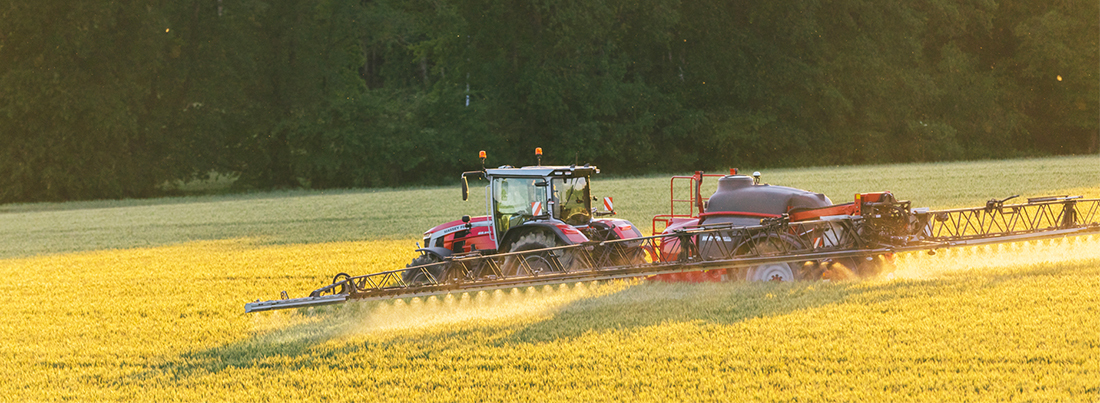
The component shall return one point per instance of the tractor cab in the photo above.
(556, 194)
(551, 199)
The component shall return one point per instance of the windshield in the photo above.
(513, 200)
(571, 201)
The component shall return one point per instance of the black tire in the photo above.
(628, 253)
(631, 254)
(535, 263)
(418, 277)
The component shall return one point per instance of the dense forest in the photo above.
(121, 98)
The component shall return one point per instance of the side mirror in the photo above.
(465, 189)
(466, 183)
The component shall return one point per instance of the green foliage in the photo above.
(116, 99)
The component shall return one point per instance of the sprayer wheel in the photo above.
(779, 271)
(771, 272)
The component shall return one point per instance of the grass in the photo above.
(292, 217)
(143, 300)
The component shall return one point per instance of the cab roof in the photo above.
(543, 171)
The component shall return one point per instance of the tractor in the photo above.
(528, 208)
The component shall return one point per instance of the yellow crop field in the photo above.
(143, 300)
(1001, 323)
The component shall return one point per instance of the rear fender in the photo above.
(623, 229)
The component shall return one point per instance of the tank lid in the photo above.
(732, 182)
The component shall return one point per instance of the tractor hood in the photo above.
(457, 225)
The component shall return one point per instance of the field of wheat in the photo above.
(164, 322)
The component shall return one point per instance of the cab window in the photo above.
(571, 201)
(512, 198)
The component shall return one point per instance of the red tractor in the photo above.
(528, 208)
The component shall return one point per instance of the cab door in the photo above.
(572, 200)
(517, 200)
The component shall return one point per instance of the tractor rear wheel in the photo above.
(418, 277)
(535, 263)
(630, 254)
(618, 253)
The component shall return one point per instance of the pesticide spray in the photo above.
(1005, 256)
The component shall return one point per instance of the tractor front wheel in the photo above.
(420, 276)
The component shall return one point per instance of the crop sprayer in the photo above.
(541, 229)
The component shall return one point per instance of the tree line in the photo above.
(122, 98)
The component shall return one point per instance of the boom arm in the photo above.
(884, 228)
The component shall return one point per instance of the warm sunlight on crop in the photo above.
(1011, 322)
(916, 265)
(113, 301)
